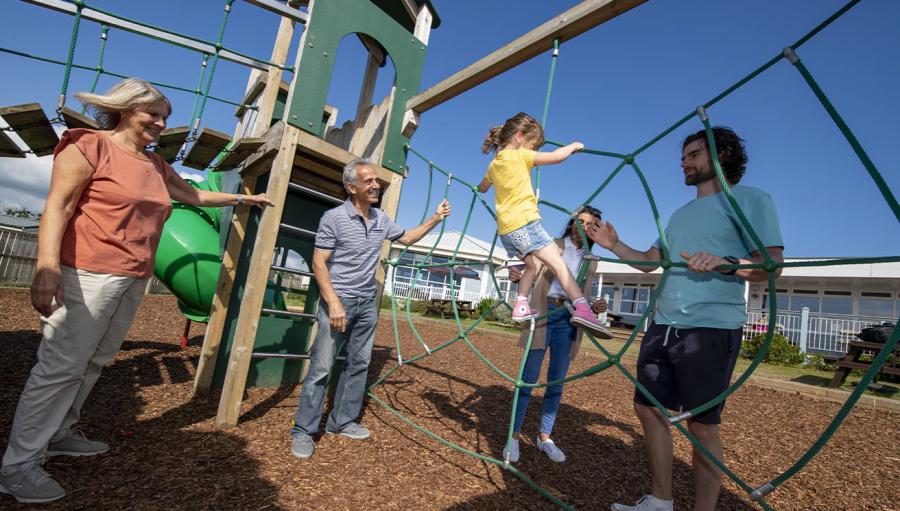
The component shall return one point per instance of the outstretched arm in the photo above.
(484, 186)
(703, 262)
(416, 233)
(605, 235)
(183, 192)
(559, 155)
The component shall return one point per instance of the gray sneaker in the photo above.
(76, 444)
(354, 431)
(32, 486)
(302, 446)
(551, 450)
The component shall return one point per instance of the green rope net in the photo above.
(614, 359)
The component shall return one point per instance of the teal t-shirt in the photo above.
(708, 224)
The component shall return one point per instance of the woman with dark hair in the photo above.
(554, 332)
(108, 200)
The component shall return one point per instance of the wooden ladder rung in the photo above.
(32, 126)
(8, 148)
(239, 152)
(208, 145)
(74, 119)
(170, 141)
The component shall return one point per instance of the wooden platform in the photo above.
(170, 142)
(205, 149)
(74, 119)
(30, 123)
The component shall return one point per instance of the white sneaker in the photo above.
(551, 450)
(511, 451)
(647, 503)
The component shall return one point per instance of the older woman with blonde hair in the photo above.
(109, 198)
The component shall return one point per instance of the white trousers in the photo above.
(78, 339)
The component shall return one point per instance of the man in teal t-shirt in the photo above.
(688, 354)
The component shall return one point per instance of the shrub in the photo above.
(503, 315)
(484, 305)
(781, 351)
(386, 301)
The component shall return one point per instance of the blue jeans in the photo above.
(560, 335)
(362, 315)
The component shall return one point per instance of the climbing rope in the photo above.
(614, 359)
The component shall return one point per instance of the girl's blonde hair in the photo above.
(125, 96)
(499, 136)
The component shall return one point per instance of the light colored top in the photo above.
(355, 246)
(708, 224)
(120, 215)
(573, 256)
(510, 173)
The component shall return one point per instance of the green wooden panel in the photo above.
(274, 334)
(330, 22)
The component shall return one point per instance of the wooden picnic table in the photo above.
(852, 360)
(444, 307)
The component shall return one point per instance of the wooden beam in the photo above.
(312, 145)
(390, 201)
(31, 125)
(255, 286)
(74, 119)
(574, 22)
(208, 145)
(258, 163)
(212, 338)
(170, 142)
(8, 148)
(239, 152)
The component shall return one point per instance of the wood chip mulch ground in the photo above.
(166, 452)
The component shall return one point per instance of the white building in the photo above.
(838, 300)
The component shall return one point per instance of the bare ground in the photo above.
(166, 452)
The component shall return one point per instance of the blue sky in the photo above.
(616, 87)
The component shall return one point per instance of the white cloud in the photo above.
(25, 181)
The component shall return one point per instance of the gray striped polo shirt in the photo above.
(355, 247)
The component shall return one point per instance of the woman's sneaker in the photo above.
(31, 486)
(585, 318)
(647, 503)
(551, 450)
(522, 311)
(511, 451)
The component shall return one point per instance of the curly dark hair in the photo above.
(591, 210)
(732, 153)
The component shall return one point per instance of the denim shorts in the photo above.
(684, 368)
(526, 239)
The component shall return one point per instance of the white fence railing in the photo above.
(812, 331)
(424, 292)
(18, 254)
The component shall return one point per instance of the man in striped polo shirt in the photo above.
(348, 243)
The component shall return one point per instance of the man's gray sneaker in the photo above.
(76, 444)
(31, 485)
(302, 446)
(551, 450)
(354, 431)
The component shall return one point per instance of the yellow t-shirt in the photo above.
(510, 173)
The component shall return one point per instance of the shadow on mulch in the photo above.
(607, 463)
(156, 461)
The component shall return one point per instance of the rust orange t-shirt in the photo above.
(119, 219)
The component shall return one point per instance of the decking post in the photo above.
(255, 286)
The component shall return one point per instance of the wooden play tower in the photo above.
(299, 163)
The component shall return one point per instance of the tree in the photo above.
(20, 212)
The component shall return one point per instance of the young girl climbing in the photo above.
(518, 219)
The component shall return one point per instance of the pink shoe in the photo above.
(585, 318)
(522, 311)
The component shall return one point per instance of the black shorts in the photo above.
(688, 369)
